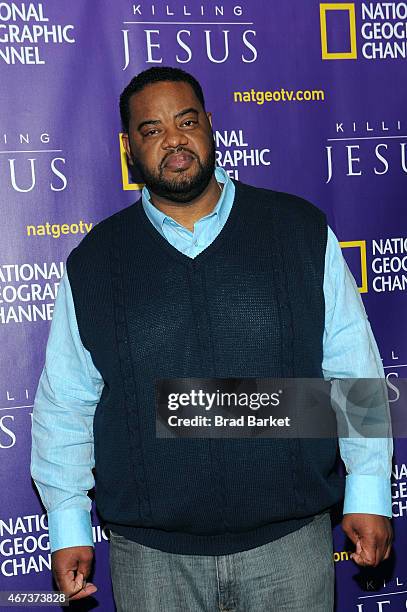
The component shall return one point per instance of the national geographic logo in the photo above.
(357, 261)
(349, 46)
(372, 30)
(387, 262)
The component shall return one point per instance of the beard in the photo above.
(180, 189)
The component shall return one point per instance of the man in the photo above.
(204, 277)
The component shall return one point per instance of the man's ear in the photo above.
(209, 115)
(126, 146)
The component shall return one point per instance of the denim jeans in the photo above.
(292, 574)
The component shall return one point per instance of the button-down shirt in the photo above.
(70, 387)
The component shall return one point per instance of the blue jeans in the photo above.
(292, 574)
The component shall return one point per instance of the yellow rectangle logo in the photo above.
(127, 185)
(361, 245)
(350, 8)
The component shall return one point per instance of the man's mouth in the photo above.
(179, 161)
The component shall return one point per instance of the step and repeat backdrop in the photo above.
(306, 97)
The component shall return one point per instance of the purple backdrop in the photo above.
(306, 98)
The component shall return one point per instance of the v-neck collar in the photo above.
(173, 251)
(221, 210)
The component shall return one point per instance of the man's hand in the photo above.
(372, 534)
(71, 567)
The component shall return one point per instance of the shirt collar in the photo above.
(158, 218)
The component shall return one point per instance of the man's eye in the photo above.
(150, 133)
(189, 122)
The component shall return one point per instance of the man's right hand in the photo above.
(71, 567)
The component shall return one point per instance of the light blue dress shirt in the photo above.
(70, 386)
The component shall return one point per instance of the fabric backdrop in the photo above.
(306, 98)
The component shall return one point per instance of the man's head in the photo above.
(167, 133)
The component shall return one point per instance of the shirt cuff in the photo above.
(367, 494)
(69, 527)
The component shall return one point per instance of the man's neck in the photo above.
(187, 213)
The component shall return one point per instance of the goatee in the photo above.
(180, 189)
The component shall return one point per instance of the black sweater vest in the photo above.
(250, 305)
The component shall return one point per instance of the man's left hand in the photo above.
(372, 535)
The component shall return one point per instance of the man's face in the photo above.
(170, 141)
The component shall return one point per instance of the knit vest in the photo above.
(250, 305)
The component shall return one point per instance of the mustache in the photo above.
(177, 150)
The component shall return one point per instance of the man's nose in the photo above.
(174, 137)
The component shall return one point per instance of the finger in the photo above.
(79, 584)
(382, 546)
(369, 551)
(72, 584)
(387, 553)
(388, 549)
(66, 582)
(365, 553)
(382, 542)
(357, 556)
(79, 580)
(89, 589)
(358, 559)
(84, 567)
